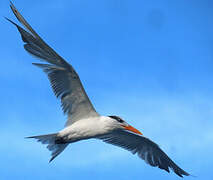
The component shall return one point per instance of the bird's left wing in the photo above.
(144, 148)
(64, 80)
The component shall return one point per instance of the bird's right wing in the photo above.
(144, 148)
(64, 80)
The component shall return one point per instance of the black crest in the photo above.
(117, 119)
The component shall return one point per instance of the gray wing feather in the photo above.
(144, 148)
(64, 80)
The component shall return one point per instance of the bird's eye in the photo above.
(120, 120)
(117, 119)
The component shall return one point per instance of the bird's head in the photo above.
(124, 125)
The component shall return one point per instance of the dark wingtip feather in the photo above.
(51, 159)
(40, 65)
(29, 137)
(13, 8)
(11, 3)
(10, 21)
(180, 172)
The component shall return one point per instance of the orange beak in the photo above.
(132, 129)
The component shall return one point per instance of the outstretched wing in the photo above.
(144, 148)
(64, 80)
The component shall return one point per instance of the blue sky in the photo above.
(151, 62)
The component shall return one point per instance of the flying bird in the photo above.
(83, 122)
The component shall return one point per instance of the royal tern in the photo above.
(83, 122)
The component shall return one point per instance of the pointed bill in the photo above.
(132, 129)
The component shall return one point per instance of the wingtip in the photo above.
(183, 174)
(11, 2)
(36, 64)
(51, 159)
(39, 65)
(6, 18)
(10, 21)
(187, 174)
(30, 137)
(12, 5)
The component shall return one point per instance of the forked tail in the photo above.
(50, 140)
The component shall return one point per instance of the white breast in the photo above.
(87, 128)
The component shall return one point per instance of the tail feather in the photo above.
(52, 146)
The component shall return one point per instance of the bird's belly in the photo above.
(79, 131)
